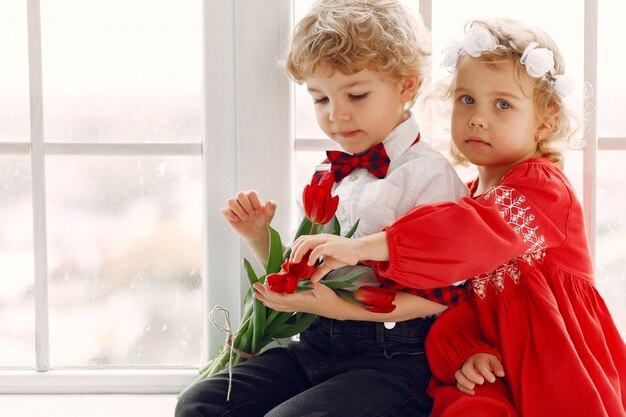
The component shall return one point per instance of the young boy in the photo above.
(362, 63)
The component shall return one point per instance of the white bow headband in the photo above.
(538, 61)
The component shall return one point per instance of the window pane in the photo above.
(14, 112)
(121, 71)
(17, 315)
(611, 83)
(124, 260)
(611, 233)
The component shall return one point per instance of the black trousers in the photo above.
(337, 368)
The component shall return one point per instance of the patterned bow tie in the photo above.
(374, 159)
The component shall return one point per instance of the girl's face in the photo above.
(358, 110)
(493, 116)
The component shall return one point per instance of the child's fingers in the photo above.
(254, 200)
(243, 199)
(464, 384)
(238, 210)
(229, 215)
(301, 247)
(319, 273)
(497, 367)
(269, 208)
(471, 373)
(484, 368)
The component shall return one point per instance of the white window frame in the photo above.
(247, 142)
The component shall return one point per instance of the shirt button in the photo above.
(390, 325)
(353, 177)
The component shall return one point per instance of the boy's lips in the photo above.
(348, 133)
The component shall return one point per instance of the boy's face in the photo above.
(359, 110)
(493, 115)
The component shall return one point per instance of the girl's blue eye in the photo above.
(502, 105)
(467, 100)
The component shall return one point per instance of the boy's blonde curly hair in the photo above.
(513, 37)
(352, 35)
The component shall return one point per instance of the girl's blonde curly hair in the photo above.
(352, 35)
(551, 112)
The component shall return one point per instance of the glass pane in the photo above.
(124, 260)
(611, 233)
(14, 112)
(611, 83)
(121, 71)
(17, 307)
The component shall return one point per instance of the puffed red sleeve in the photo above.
(454, 337)
(436, 245)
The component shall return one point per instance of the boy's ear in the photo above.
(409, 87)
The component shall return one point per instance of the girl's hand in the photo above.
(337, 252)
(320, 300)
(248, 215)
(476, 369)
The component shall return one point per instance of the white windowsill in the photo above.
(127, 381)
(88, 405)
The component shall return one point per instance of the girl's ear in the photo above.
(409, 87)
(546, 128)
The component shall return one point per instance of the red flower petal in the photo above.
(375, 296)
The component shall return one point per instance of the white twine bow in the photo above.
(229, 341)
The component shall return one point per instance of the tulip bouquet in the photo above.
(262, 325)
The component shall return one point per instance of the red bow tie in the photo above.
(374, 159)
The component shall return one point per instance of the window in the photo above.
(121, 136)
(125, 125)
(101, 202)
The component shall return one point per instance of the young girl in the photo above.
(362, 62)
(534, 315)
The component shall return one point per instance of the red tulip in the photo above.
(319, 204)
(300, 270)
(282, 282)
(380, 299)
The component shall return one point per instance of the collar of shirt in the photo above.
(401, 138)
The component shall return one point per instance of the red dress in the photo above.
(532, 298)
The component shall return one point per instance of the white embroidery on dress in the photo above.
(520, 219)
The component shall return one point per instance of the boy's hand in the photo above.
(248, 215)
(320, 300)
(476, 369)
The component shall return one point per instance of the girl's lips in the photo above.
(348, 134)
(476, 141)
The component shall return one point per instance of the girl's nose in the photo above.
(478, 121)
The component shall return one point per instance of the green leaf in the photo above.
(304, 228)
(335, 285)
(299, 322)
(319, 228)
(353, 229)
(347, 295)
(258, 325)
(252, 278)
(336, 229)
(280, 319)
(275, 255)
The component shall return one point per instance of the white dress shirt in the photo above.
(417, 175)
